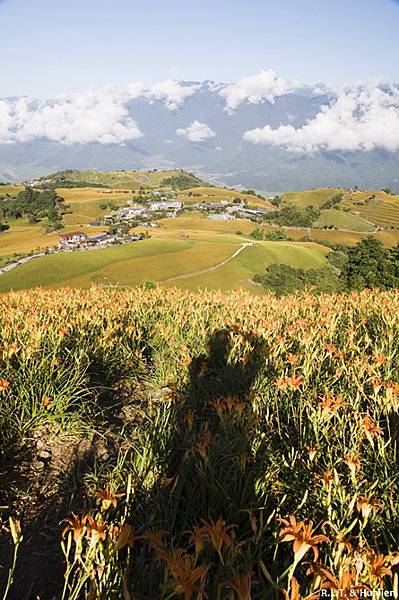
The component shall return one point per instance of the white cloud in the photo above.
(357, 119)
(196, 132)
(172, 92)
(255, 89)
(96, 116)
(100, 115)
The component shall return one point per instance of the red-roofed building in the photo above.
(71, 240)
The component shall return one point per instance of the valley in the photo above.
(194, 244)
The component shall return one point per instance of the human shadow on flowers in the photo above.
(210, 459)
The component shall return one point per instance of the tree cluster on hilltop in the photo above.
(294, 216)
(35, 205)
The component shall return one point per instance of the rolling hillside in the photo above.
(189, 244)
(160, 259)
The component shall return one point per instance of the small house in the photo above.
(71, 240)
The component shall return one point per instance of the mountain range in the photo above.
(262, 132)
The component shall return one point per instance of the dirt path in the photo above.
(209, 269)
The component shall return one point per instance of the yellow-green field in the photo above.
(189, 243)
(312, 197)
(10, 189)
(217, 194)
(160, 259)
(25, 238)
(382, 210)
(238, 273)
(341, 219)
(130, 180)
(85, 203)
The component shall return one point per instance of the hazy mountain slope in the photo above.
(224, 155)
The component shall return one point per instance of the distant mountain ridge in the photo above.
(262, 133)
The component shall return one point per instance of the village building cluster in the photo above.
(77, 240)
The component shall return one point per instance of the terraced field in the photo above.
(383, 209)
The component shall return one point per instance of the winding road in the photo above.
(209, 269)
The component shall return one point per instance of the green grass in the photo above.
(312, 197)
(217, 194)
(160, 259)
(124, 265)
(343, 220)
(130, 180)
(239, 272)
(11, 189)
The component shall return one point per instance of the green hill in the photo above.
(340, 219)
(132, 180)
(312, 197)
(161, 259)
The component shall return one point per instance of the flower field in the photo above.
(157, 444)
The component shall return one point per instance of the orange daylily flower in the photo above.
(108, 499)
(328, 478)
(302, 534)
(345, 586)
(295, 381)
(155, 539)
(380, 359)
(312, 450)
(292, 359)
(330, 404)
(4, 385)
(124, 536)
(353, 462)
(46, 401)
(187, 579)
(369, 429)
(241, 584)
(217, 533)
(219, 405)
(77, 525)
(189, 418)
(377, 568)
(197, 537)
(280, 384)
(97, 531)
(366, 506)
(203, 444)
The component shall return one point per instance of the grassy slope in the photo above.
(343, 220)
(10, 189)
(239, 272)
(130, 180)
(125, 265)
(312, 197)
(383, 210)
(24, 238)
(217, 194)
(159, 259)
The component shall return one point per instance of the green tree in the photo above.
(369, 265)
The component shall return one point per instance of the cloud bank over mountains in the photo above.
(357, 118)
(265, 86)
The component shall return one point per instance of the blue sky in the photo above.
(50, 47)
